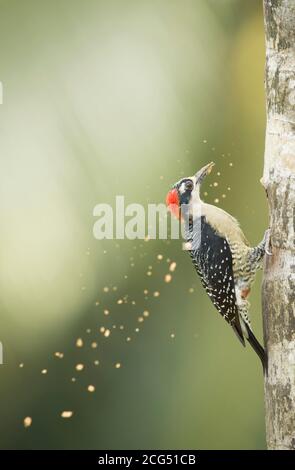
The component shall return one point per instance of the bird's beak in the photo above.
(203, 172)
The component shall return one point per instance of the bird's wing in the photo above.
(212, 259)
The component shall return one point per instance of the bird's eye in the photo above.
(189, 185)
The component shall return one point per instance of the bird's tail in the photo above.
(257, 348)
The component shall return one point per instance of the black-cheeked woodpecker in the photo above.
(220, 253)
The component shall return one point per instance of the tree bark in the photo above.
(278, 289)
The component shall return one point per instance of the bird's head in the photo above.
(187, 191)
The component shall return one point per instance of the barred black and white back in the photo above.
(215, 263)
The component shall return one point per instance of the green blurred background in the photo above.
(124, 97)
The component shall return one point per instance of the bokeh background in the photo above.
(110, 97)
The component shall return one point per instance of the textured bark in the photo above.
(278, 290)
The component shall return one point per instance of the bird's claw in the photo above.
(267, 243)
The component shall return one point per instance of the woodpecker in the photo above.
(220, 254)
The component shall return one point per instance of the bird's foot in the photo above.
(267, 242)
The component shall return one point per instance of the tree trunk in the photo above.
(278, 290)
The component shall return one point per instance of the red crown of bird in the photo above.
(172, 201)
